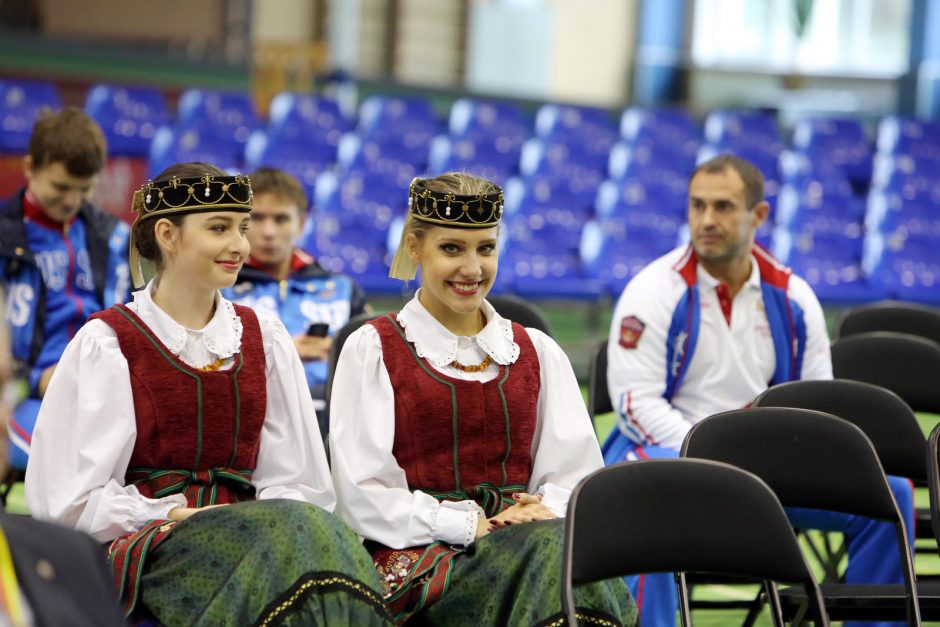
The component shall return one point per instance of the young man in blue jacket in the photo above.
(61, 258)
(283, 280)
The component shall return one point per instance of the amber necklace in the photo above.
(480, 367)
(215, 365)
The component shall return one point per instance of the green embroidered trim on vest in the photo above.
(453, 394)
(152, 340)
(502, 398)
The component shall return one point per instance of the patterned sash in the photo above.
(417, 577)
(128, 554)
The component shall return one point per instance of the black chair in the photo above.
(598, 395)
(885, 418)
(815, 460)
(905, 364)
(670, 515)
(337, 346)
(933, 474)
(894, 316)
(520, 310)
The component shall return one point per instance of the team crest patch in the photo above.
(631, 328)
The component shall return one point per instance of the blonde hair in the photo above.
(460, 183)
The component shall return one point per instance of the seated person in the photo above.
(179, 430)
(457, 435)
(706, 328)
(281, 280)
(61, 258)
(56, 575)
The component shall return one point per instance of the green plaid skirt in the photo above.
(513, 577)
(273, 562)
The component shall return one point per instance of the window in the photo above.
(865, 38)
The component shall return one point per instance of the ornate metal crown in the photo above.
(466, 211)
(190, 195)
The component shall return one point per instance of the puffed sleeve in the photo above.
(291, 458)
(372, 488)
(83, 440)
(564, 448)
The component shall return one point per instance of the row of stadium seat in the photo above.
(589, 200)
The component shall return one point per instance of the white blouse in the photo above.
(373, 494)
(86, 430)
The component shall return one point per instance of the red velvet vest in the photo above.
(462, 439)
(197, 432)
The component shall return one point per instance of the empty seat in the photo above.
(899, 135)
(20, 104)
(307, 116)
(173, 145)
(129, 116)
(830, 263)
(412, 122)
(482, 159)
(840, 141)
(223, 113)
(907, 268)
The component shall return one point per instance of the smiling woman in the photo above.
(203, 470)
(456, 435)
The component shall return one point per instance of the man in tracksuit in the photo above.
(706, 328)
(61, 258)
(282, 280)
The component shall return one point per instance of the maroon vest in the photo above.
(197, 432)
(462, 439)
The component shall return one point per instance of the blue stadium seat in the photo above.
(840, 141)
(751, 131)
(354, 207)
(307, 116)
(613, 252)
(448, 153)
(499, 125)
(390, 160)
(830, 263)
(898, 135)
(589, 131)
(20, 104)
(671, 125)
(820, 207)
(618, 198)
(797, 167)
(229, 114)
(890, 169)
(299, 157)
(892, 215)
(651, 162)
(129, 116)
(573, 195)
(409, 122)
(171, 145)
(561, 159)
(905, 268)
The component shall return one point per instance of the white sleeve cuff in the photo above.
(555, 498)
(156, 509)
(455, 522)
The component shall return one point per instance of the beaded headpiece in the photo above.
(177, 195)
(455, 210)
(465, 211)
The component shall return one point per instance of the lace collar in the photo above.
(222, 336)
(435, 343)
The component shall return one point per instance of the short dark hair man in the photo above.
(61, 258)
(282, 280)
(706, 328)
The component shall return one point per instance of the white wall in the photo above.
(593, 51)
(282, 20)
(570, 50)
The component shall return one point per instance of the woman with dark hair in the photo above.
(179, 430)
(457, 435)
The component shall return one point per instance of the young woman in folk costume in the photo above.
(457, 436)
(179, 429)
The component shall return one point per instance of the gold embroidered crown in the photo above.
(190, 195)
(467, 211)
